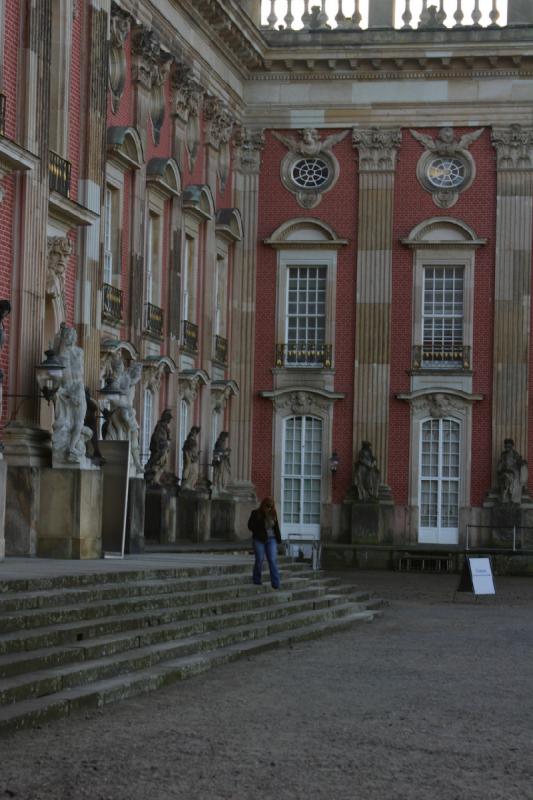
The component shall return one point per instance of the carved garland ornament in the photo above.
(300, 403)
(151, 67)
(120, 24)
(437, 405)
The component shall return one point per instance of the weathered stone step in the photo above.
(38, 710)
(50, 681)
(84, 622)
(118, 634)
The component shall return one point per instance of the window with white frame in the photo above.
(306, 315)
(148, 415)
(443, 315)
(221, 293)
(439, 481)
(153, 258)
(188, 279)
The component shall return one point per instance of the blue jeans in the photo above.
(270, 550)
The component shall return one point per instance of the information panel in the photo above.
(481, 572)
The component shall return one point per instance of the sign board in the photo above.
(481, 572)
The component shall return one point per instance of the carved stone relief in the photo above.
(301, 403)
(59, 251)
(377, 148)
(151, 67)
(446, 168)
(437, 404)
(249, 145)
(514, 147)
(119, 29)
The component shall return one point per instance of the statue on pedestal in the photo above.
(511, 474)
(221, 462)
(120, 420)
(159, 449)
(191, 459)
(366, 473)
(91, 421)
(69, 432)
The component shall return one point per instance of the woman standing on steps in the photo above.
(266, 536)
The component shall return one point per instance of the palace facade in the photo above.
(308, 226)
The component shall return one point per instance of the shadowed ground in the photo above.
(432, 701)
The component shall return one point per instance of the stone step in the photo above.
(49, 681)
(25, 630)
(41, 709)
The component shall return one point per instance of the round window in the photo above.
(445, 172)
(310, 173)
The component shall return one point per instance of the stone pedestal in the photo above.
(3, 481)
(370, 521)
(511, 524)
(135, 516)
(223, 518)
(245, 500)
(160, 517)
(26, 451)
(70, 518)
(194, 515)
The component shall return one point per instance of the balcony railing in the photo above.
(190, 336)
(59, 174)
(431, 357)
(2, 114)
(153, 320)
(112, 300)
(309, 15)
(303, 354)
(221, 350)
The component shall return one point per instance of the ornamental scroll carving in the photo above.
(437, 405)
(219, 127)
(59, 251)
(514, 147)
(300, 403)
(377, 148)
(120, 25)
(151, 67)
(249, 145)
(187, 103)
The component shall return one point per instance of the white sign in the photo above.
(481, 572)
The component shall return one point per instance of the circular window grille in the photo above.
(310, 173)
(445, 172)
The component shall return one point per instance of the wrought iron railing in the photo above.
(112, 303)
(2, 114)
(190, 336)
(153, 320)
(292, 15)
(221, 350)
(59, 174)
(458, 357)
(303, 354)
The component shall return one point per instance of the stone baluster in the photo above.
(289, 18)
(512, 285)
(377, 165)
(407, 16)
(441, 14)
(323, 16)
(306, 16)
(494, 14)
(340, 19)
(272, 17)
(476, 15)
(357, 16)
(458, 16)
(424, 14)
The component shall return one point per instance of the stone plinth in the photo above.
(26, 450)
(370, 521)
(160, 514)
(511, 524)
(135, 516)
(70, 518)
(3, 481)
(223, 518)
(194, 515)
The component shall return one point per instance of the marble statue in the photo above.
(511, 474)
(69, 432)
(366, 473)
(191, 459)
(159, 449)
(221, 462)
(121, 421)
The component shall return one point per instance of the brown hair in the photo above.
(268, 506)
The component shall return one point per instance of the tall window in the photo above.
(306, 314)
(148, 415)
(439, 481)
(153, 259)
(302, 473)
(108, 234)
(188, 279)
(443, 314)
(221, 288)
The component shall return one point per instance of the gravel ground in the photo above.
(432, 701)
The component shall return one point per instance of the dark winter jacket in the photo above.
(256, 524)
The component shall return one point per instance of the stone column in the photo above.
(512, 289)
(92, 179)
(249, 143)
(377, 161)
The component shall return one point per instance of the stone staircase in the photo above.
(80, 641)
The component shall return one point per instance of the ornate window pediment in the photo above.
(164, 174)
(198, 200)
(305, 232)
(295, 400)
(124, 145)
(229, 224)
(189, 380)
